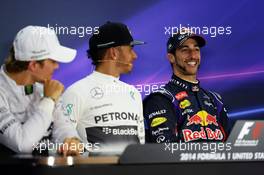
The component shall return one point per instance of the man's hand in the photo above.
(53, 89)
(71, 147)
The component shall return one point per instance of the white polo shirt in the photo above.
(105, 110)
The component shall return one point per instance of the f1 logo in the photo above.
(256, 132)
(245, 130)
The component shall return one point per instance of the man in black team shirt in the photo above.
(182, 110)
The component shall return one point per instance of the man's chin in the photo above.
(42, 81)
(191, 72)
(129, 69)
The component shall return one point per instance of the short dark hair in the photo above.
(14, 66)
(96, 55)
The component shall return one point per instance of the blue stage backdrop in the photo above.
(232, 64)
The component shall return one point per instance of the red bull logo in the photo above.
(208, 133)
(203, 118)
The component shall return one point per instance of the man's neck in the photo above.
(21, 78)
(107, 69)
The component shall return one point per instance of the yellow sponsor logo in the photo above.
(157, 121)
(184, 104)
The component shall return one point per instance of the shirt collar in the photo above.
(103, 76)
(187, 85)
(12, 83)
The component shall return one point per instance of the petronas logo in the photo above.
(132, 94)
(68, 109)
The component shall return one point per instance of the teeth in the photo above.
(192, 63)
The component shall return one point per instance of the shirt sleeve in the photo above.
(160, 119)
(225, 122)
(72, 106)
(223, 115)
(141, 127)
(63, 126)
(22, 137)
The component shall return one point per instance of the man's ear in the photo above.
(171, 58)
(32, 66)
(111, 53)
(114, 53)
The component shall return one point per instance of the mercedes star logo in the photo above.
(96, 93)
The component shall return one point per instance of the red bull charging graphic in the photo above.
(203, 119)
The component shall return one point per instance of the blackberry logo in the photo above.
(107, 130)
(127, 131)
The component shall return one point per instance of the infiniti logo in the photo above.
(96, 93)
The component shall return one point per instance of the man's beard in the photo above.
(183, 69)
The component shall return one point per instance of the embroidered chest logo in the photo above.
(184, 104)
(68, 109)
(96, 93)
(203, 118)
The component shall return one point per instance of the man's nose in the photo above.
(195, 54)
(134, 55)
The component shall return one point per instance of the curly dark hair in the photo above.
(96, 55)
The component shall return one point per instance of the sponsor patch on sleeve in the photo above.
(158, 121)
